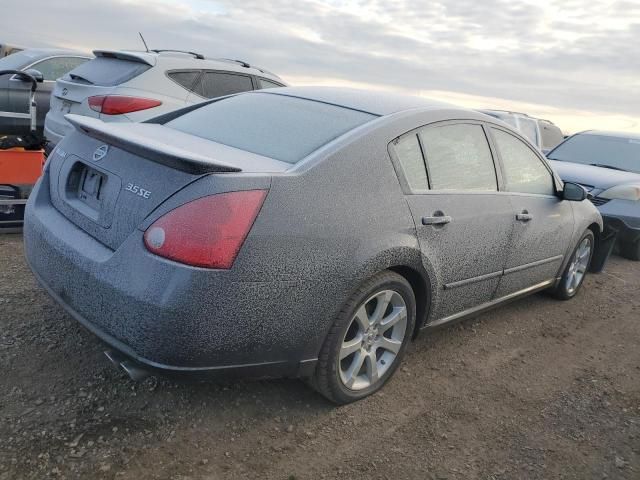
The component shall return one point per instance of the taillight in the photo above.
(207, 232)
(119, 104)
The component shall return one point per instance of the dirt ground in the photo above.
(537, 389)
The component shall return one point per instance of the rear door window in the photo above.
(56, 67)
(524, 171)
(458, 157)
(107, 71)
(219, 84)
(409, 155)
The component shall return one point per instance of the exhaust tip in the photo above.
(135, 371)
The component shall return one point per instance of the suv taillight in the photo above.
(120, 104)
(207, 232)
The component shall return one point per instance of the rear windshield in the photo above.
(106, 71)
(276, 126)
(615, 152)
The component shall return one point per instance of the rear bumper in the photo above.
(167, 317)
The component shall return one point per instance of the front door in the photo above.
(463, 224)
(543, 222)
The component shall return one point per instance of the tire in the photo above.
(576, 270)
(631, 250)
(341, 380)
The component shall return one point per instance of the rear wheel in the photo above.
(368, 339)
(577, 268)
(631, 250)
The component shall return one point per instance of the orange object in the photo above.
(20, 167)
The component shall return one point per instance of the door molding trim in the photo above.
(491, 304)
(468, 281)
(537, 263)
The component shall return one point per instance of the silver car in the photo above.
(302, 232)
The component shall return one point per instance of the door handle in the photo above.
(436, 219)
(524, 216)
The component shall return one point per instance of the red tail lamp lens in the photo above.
(207, 232)
(120, 104)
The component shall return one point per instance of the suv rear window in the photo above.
(219, 84)
(185, 79)
(277, 126)
(106, 71)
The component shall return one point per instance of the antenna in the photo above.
(145, 43)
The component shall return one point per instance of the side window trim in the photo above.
(492, 140)
(424, 158)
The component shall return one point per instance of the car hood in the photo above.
(594, 178)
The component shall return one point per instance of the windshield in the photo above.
(601, 150)
(276, 126)
(16, 61)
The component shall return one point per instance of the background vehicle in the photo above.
(607, 165)
(544, 134)
(296, 232)
(21, 159)
(120, 86)
(44, 64)
(7, 49)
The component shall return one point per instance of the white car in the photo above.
(544, 134)
(129, 86)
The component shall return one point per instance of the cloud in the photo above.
(572, 55)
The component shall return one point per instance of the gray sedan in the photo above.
(607, 165)
(301, 232)
(43, 63)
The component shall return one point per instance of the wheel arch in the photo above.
(421, 291)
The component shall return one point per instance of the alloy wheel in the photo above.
(578, 267)
(373, 340)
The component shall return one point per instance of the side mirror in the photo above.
(573, 192)
(37, 74)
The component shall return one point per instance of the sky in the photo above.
(574, 62)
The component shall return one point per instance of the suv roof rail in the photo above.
(240, 62)
(199, 56)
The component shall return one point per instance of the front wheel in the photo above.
(368, 339)
(577, 268)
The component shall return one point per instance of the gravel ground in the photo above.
(537, 389)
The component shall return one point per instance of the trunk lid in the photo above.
(107, 178)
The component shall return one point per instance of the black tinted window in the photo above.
(276, 126)
(218, 84)
(409, 155)
(107, 72)
(524, 172)
(54, 68)
(184, 79)
(458, 158)
(616, 152)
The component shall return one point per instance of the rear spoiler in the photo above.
(133, 141)
(140, 57)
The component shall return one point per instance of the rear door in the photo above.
(463, 223)
(543, 222)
